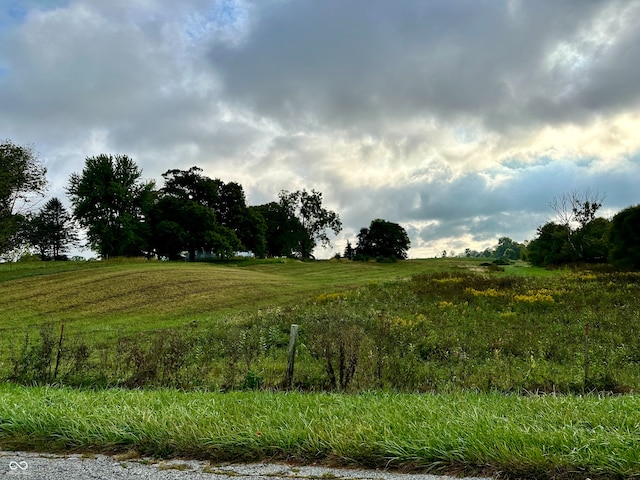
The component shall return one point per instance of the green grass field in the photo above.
(489, 350)
(109, 299)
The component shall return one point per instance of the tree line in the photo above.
(577, 236)
(191, 214)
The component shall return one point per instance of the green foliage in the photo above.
(624, 237)
(558, 244)
(253, 232)
(21, 177)
(507, 249)
(192, 185)
(577, 237)
(285, 234)
(383, 240)
(109, 200)
(52, 231)
(314, 218)
(551, 246)
(34, 363)
(593, 242)
(196, 213)
(179, 224)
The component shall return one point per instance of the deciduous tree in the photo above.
(21, 177)
(624, 237)
(109, 199)
(550, 247)
(284, 232)
(383, 239)
(226, 200)
(577, 236)
(314, 218)
(192, 213)
(508, 249)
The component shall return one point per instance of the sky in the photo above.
(461, 120)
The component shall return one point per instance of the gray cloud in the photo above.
(459, 119)
(367, 62)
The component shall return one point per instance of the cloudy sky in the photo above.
(458, 119)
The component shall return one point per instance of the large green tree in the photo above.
(21, 177)
(232, 212)
(52, 231)
(227, 200)
(383, 239)
(577, 235)
(179, 224)
(551, 246)
(624, 237)
(592, 241)
(314, 218)
(554, 245)
(109, 199)
(196, 213)
(192, 185)
(284, 232)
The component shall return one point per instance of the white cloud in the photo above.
(460, 120)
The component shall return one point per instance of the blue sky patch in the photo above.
(15, 11)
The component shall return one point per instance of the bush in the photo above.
(34, 363)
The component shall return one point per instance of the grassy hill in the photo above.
(427, 325)
(487, 346)
(140, 295)
(105, 300)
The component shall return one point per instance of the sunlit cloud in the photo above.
(458, 120)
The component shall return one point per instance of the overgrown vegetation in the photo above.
(436, 332)
(487, 344)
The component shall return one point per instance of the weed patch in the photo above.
(435, 332)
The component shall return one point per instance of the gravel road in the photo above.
(40, 466)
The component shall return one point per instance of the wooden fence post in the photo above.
(292, 354)
(55, 371)
(586, 355)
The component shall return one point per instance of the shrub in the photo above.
(34, 362)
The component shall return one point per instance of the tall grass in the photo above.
(534, 436)
(479, 342)
(100, 302)
(435, 332)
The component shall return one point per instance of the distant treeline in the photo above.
(190, 216)
(577, 236)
